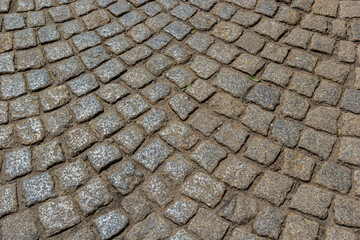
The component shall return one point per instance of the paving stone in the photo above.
(112, 92)
(136, 54)
(5, 5)
(203, 4)
(157, 64)
(323, 118)
(158, 41)
(107, 124)
(93, 57)
(38, 189)
(274, 52)
(277, 74)
(83, 234)
(326, 8)
(200, 90)
(13, 21)
(93, 195)
(270, 28)
(25, 39)
(57, 51)
(268, 223)
(110, 29)
(351, 124)
(96, 19)
(333, 233)
(153, 154)
(242, 234)
(35, 19)
(56, 122)
(181, 76)
(119, 8)
(205, 121)
(200, 41)
(294, 106)
(48, 34)
(140, 33)
(351, 101)
(68, 68)
(132, 107)
(239, 208)
(182, 105)
(322, 44)
(167, 4)
(262, 150)
(178, 29)
(203, 21)
(153, 227)
(103, 155)
(257, 119)
(136, 205)
(287, 132)
(8, 198)
(203, 188)
(339, 28)
(303, 5)
(130, 138)
(178, 53)
(104, 3)
(58, 214)
(301, 60)
(72, 175)
(289, 15)
(298, 165)
(304, 83)
(60, 13)
(82, 7)
(347, 52)
(245, 18)
(159, 22)
(83, 84)
(119, 44)
(152, 8)
(346, 211)
(298, 38)
(237, 173)
(124, 177)
(153, 120)
(250, 42)
(25, 5)
(157, 191)
(232, 136)
(86, 40)
(32, 58)
(20, 226)
(12, 86)
(47, 154)
(79, 139)
(183, 235)
(227, 105)
(317, 142)
(208, 155)
(248, 63)
(348, 9)
(29, 131)
(227, 31)
(265, 96)
(156, 92)
(54, 97)
(177, 168)
(300, 228)
(179, 135)
(131, 19)
(314, 23)
(349, 150)
(86, 108)
(183, 11)
(273, 187)
(109, 70)
(6, 42)
(4, 112)
(43, 3)
(38, 79)
(207, 225)
(110, 224)
(6, 136)
(222, 52)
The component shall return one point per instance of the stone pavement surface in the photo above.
(170, 119)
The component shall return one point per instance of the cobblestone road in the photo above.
(168, 119)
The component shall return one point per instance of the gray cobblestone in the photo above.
(12, 86)
(124, 177)
(38, 189)
(72, 175)
(29, 131)
(103, 155)
(130, 138)
(110, 224)
(20, 226)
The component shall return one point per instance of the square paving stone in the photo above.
(289, 15)
(182, 234)
(83, 84)
(25, 39)
(182, 105)
(333, 70)
(200, 41)
(304, 83)
(241, 233)
(204, 67)
(8, 197)
(57, 121)
(35, 19)
(47, 154)
(265, 96)
(180, 75)
(250, 42)
(298, 165)
(339, 28)
(257, 119)
(200, 90)
(109, 70)
(268, 223)
(270, 28)
(262, 150)
(48, 34)
(6, 41)
(110, 224)
(224, 10)
(58, 214)
(124, 177)
(312, 200)
(54, 97)
(82, 7)
(203, 21)
(351, 124)
(153, 227)
(203, 4)
(112, 92)
(13, 21)
(119, 43)
(86, 40)
(7, 63)
(237, 173)
(119, 8)
(153, 120)
(277, 74)
(12, 86)
(205, 121)
(105, 3)
(349, 150)
(301, 60)
(6, 136)
(82, 234)
(287, 132)
(222, 52)
(43, 4)
(227, 105)
(322, 44)
(152, 8)
(207, 225)
(248, 63)
(157, 64)
(239, 208)
(347, 52)
(20, 226)
(203, 188)
(178, 53)
(32, 58)
(38, 79)
(60, 13)
(110, 29)
(294, 106)
(79, 139)
(298, 38)
(333, 233)
(137, 77)
(93, 195)
(323, 118)
(131, 19)
(25, 5)
(57, 51)
(183, 11)
(72, 175)
(93, 57)
(227, 31)
(273, 187)
(156, 92)
(157, 191)
(178, 29)
(351, 101)
(267, 7)
(66, 69)
(300, 228)
(103, 155)
(159, 22)
(347, 211)
(245, 18)
(177, 168)
(274, 52)
(96, 19)
(158, 41)
(29, 131)
(136, 205)
(38, 189)
(232, 136)
(317, 142)
(5, 5)
(153, 154)
(136, 54)
(208, 155)
(132, 107)
(140, 33)
(107, 124)
(130, 138)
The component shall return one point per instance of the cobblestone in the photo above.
(72, 175)
(110, 224)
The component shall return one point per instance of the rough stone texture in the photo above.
(346, 211)
(298, 165)
(153, 227)
(300, 228)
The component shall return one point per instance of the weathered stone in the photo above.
(110, 224)
(300, 228)
(323, 118)
(316, 142)
(298, 165)
(347, 211)
(179, 135)
(257, 119)
(153, 227)
(349, 150)
(72, 175)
